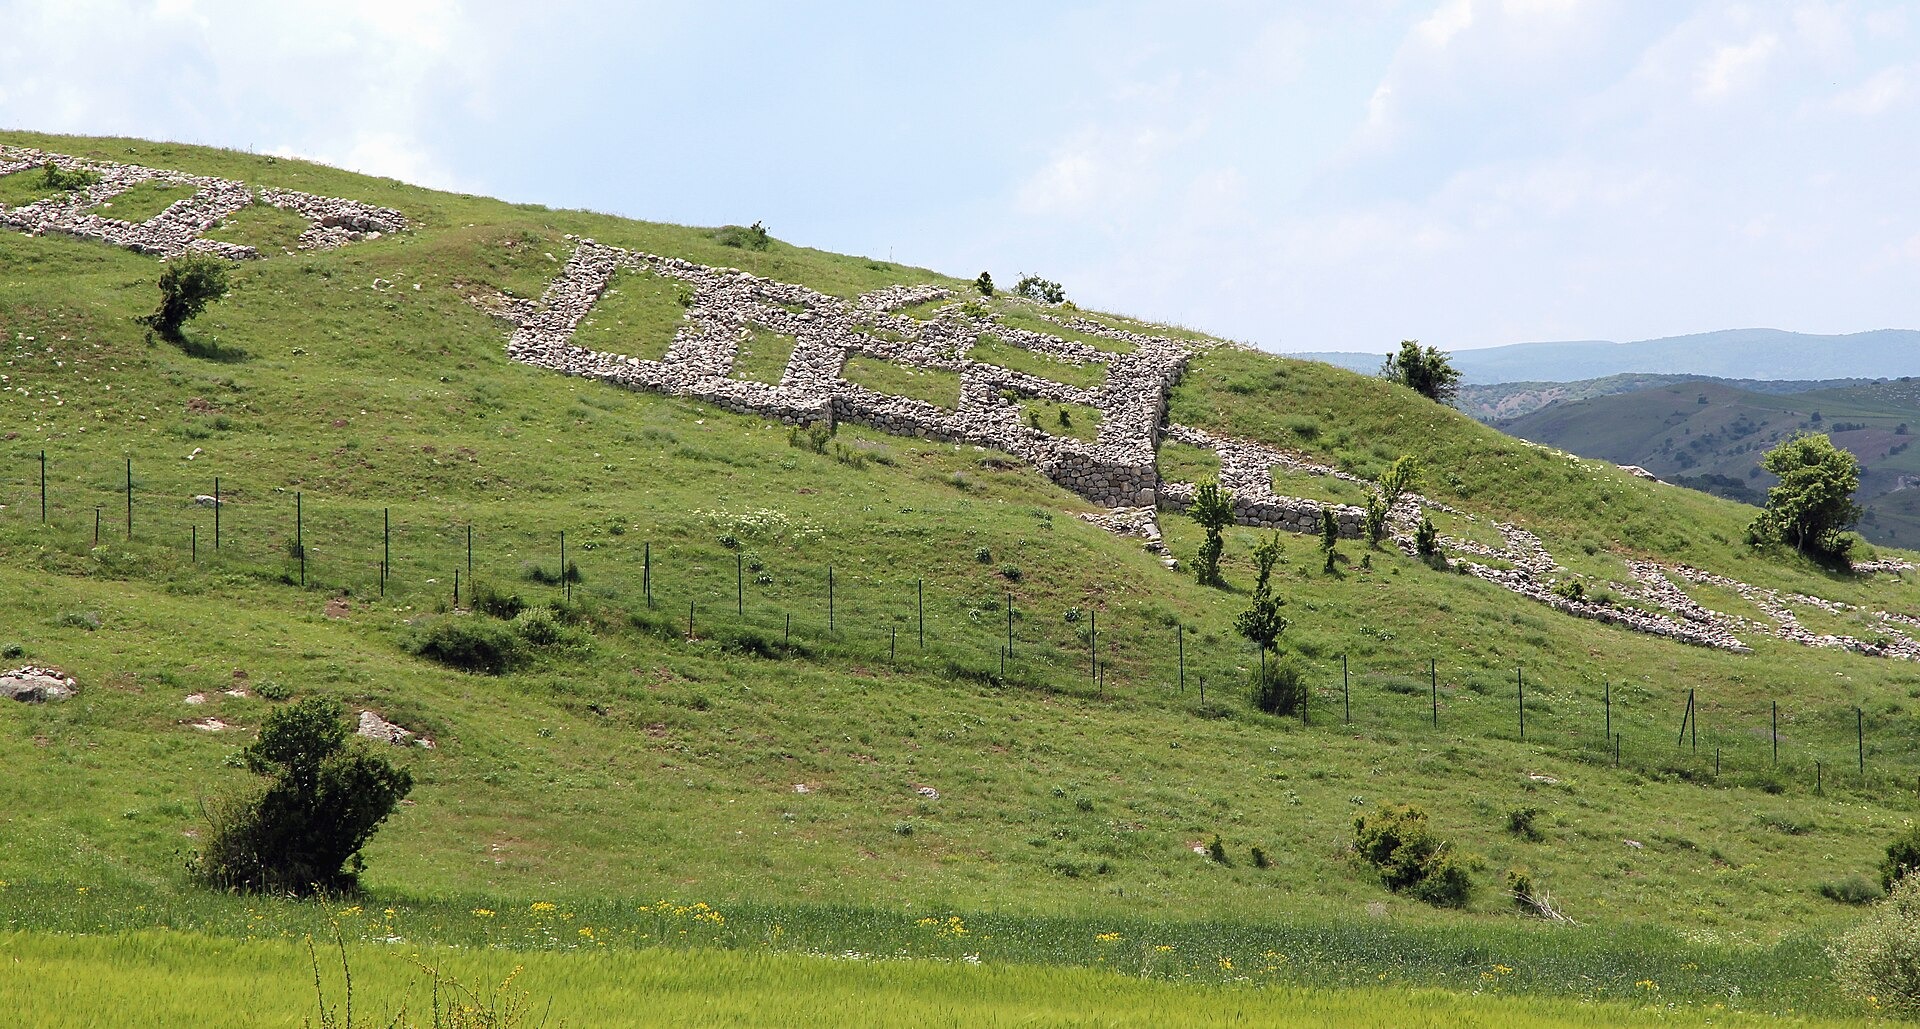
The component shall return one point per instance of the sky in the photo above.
(1302, 176)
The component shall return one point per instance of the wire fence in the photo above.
(420, 555)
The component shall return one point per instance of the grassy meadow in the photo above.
(829, 766)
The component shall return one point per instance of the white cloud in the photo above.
(1735, 66)
(1886, 89)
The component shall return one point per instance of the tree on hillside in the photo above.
(302, 834)
(1425, 370)
(1046, 291)
(1213, 509)
(187, 286)
(984, 284)
(1812, 505)
(1388, 489)
(1278, 689)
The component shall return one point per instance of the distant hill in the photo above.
(1503, 401)
(1729, 354)
(1710, 435)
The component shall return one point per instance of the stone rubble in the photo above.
(1117, 470)
(379, 730)
(34, 685)
(87, 212)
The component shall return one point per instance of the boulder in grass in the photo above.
(33, 685)
(378, 729)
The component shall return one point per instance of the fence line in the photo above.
(1032, 659)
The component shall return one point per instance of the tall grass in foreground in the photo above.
(185, 979)
(1611, 964)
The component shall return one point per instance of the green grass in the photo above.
(763, 356)
(644, 763)
(1325, 488)
(933, 386)
(179, 980)
(143, 201)
(25, 187)
(269, 229)
(993, 350)
(637, 315)
(1076, 421)
(1182, 462)
(1021, 316)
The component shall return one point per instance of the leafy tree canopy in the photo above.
(1425, 370)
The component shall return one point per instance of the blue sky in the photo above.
(1301, 176)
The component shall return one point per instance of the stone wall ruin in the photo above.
(1117, 470)
(86, 212)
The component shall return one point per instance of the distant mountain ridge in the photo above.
(1754, 354)
(1502, 401)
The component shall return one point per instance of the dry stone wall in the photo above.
(725, 306)
(87, 212)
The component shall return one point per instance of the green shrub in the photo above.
(1282, 691)
(1033, 287)
(813, 437)
(1010, 572)
(538, 574)
(487, 600)
(743, 237)
(1213, 509)
(1903, 856)
(88, 620)
(52, 176)
(273, 690)
(538, 626)
(302, 834)
(1217, 850)
(984, 284)
(1854, 889)
(1521, 888)
(1260, 859)
(11, 651)
(1880, 957)
(983, 555)
(1398, 844)
(1426, 539)
(1520, 823)
(187, 285)
(471, 645)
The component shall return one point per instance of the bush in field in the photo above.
(1880, 957)
(52, 176)
(984, 284)
(1427, 371)
(302, 834)
(471, 645)
(1033, 287)
(748, 237)
(187, 286)
(1398, 844)
(1329, 536)
(1213, 509)
(1903, 857)
(1426, 538)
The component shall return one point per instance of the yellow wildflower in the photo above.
(483, 912)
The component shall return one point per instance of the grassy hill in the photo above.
(845, 787)
(1712, 435)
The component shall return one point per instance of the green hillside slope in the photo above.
(1711, 436)
(734, 704)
